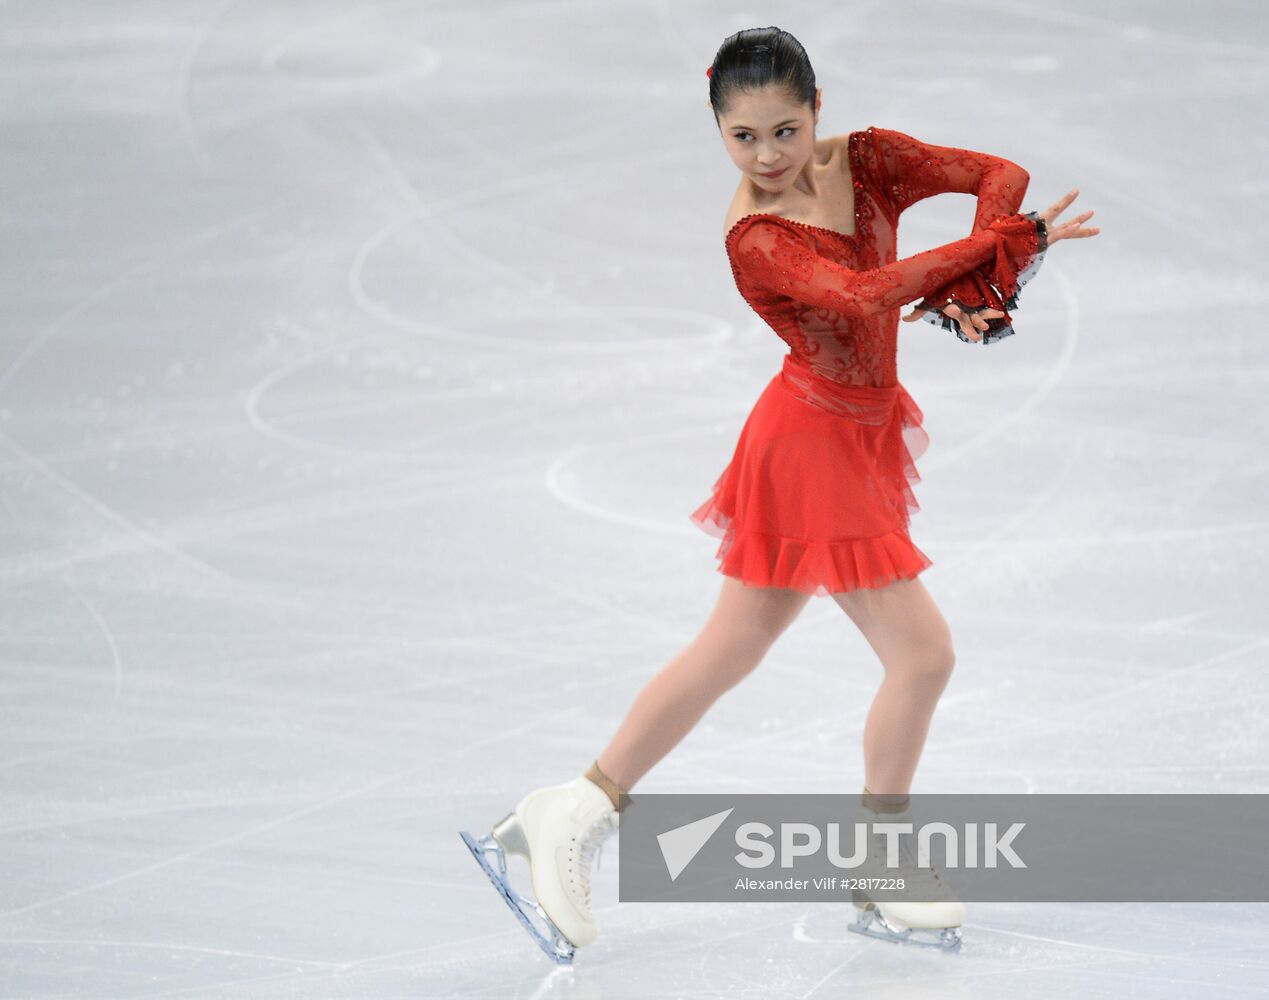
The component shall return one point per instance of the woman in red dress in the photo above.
(817, 496)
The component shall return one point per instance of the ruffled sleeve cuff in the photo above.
(997, 283)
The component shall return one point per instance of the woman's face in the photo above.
(764, 132)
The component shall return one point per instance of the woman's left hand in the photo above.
(972, 324)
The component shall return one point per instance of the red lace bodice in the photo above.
(835, 297)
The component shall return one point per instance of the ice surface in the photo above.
(359, 367)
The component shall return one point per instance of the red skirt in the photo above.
(818, 494)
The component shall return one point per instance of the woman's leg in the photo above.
(908, 632)
(736, 636)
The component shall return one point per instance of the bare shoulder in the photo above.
(837, 147)
(832, 148)
(741, 205)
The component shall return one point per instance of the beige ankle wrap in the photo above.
(619, 797)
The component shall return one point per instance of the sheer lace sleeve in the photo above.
(975, 291)
(776, 256)
(909, 170)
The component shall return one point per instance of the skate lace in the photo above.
(591, 839)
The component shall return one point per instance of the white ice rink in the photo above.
(360, 364)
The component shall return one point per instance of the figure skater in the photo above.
(817, 496)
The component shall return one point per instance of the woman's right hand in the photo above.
(1067, 230)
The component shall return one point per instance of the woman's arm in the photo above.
(910, 170)
(777, 256)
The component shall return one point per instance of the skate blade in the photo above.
(871, 923)
(556, 946)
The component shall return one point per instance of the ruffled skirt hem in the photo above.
(818, 568)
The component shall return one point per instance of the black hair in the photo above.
(758, 57)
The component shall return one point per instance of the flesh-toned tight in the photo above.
(900, 622)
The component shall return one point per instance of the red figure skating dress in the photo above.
(818, 493)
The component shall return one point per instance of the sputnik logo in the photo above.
(680, 845)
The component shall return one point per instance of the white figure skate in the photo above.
(558, 829)
(936, 923)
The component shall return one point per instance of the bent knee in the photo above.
(939, 660)
(930, 662)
